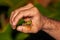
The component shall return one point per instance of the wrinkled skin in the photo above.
(39, 22)
(28, 10)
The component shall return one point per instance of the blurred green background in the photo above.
(7, 6)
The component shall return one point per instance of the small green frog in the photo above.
(22, 22)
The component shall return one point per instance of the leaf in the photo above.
(21, 36)
(6, 34)
(50, 13)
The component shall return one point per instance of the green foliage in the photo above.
(52, 12)
(21, 36)
(12, 4)
(6, 34)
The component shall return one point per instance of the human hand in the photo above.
(28, 12)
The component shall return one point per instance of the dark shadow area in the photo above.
(14, 34)
(4, 10)
(41, 35)
(3, 15)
